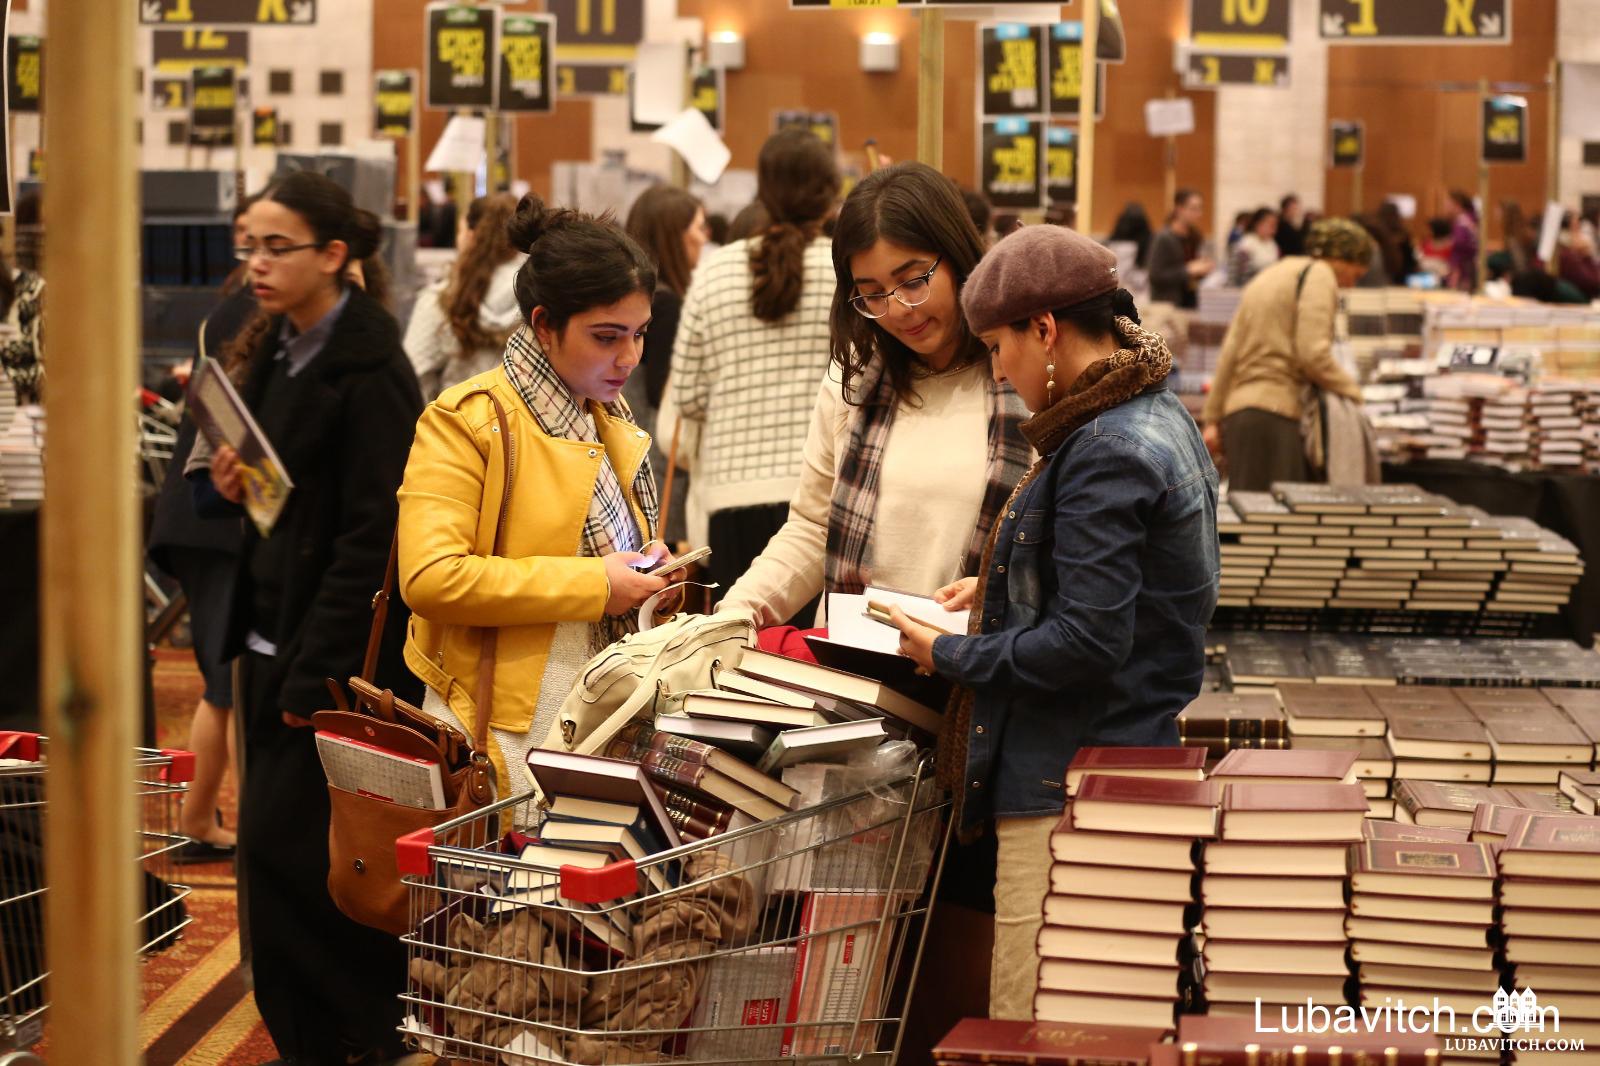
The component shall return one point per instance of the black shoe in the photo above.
(195, 852)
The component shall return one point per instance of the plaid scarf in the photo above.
(855, 491)
(610, 525)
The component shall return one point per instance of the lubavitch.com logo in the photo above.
(1514, 1020)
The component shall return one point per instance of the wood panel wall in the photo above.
(1420, 106)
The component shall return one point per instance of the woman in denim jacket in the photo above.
(1090, 608)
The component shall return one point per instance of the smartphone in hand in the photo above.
(679, 563)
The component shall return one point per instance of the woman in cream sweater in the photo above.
(912, 447)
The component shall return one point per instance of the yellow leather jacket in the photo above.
(450, 576)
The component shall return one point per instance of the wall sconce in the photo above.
(880, 53)
(725, 49)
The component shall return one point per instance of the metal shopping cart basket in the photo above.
(162, 777)
(797, 938)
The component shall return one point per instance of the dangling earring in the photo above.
(1050, 368)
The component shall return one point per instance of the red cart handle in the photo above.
(600, 885)
(19, 745)
(411, 853)
(180, 765)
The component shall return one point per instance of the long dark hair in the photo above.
(1464, 201)
(575, 262)
(913, 205)
(1096, 317)
(797, 182)
(327, 208)
(657, 221)
(463, 299)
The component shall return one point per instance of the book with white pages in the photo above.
(821, 743)
(848, 622)
(369, 770)
(745, 739)
(223, 419)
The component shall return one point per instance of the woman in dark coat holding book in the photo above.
(332, 390)
(1095, 588)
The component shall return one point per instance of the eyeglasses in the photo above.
(273, 252)
(913, 292)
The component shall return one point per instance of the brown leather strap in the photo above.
(484, 697)
(380, 610)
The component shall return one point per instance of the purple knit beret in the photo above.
(1034, 270)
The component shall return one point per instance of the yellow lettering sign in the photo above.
(1505, 129)
(524, 59)
(182, 11)
(174, 95)
(1266, 71)
(566, 81)
(463, 50)
(619, 80)
(1458, 19)
(1067, 84)
(1366, 23)
(213, 98)
(28, 75)
(1019, 67)
(1213, 66)
(1017, 166)
(272, 11)
(393, 103)
(1063, 165)
(1250, 12)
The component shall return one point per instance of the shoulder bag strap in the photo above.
(484, 698)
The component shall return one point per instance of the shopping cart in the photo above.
(797, 938)
(161, 780)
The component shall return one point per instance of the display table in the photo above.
(1568, 504)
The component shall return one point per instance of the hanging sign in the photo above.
(527, 75)
(460, 41)
(1261, 24)
(1008, 160)
(1011, 59)
(225, 12)
(24, 73)
(394, 101)
(598, 31)
(591, 79)
(1347, 144)
(1415, 21)
(213, 95)
(1066, 73)
(1212, 70)
(264, 128)
(1061, 164)
(180, 51)
(169, 94)
(707, 93)
(1505, 130)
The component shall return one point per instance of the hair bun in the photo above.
(528, 223)
(1122, 305)
(363, 235)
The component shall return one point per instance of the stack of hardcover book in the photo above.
(1274, 883)
(1582, 787)
(1433, 804)
(22, 455)
(1344, 718)
(1532, 740)
(1550, 914)
(977, 1041)
(1434, 736)
(1223, 721)
(1422, 923)
(1116, 938)
(1292, 1036)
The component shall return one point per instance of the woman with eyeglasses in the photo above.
(752, 338)
(332, 389)
(912, 446)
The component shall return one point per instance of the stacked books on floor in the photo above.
(1344, 718)
(22, 454)
(1385, 548)
(1550, 914)
(1116, 937)
(1441, 805)
(1274, 882)
(1422, 920)
(1223, 721)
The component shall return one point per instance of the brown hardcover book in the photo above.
(1410, 699)
(1293, 813)
(1320, 710)
(1120, 882)
(1575, 779)
(1433, 803)
(1500, 696)
(1492, 821)
(729, 765)
(1538, 737)
(1295, 765)
(1272, 858)
(1310, 893)
(1047, 1043)
(697, 776)
(1147, 805)
(1377, 829)
(1423, 868)
(1374, 760)
(1412, 736)
(1120, 849)
(1563, 847)
(1546, 894)
(1173, 763)
(1236, 716)
(697, 809)
(1215, 1041)
(1569, 699)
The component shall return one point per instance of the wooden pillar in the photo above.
(1552, 174)
(491, 149)
(1484, 209)
(930, 89)
(91, 625)
(1169, 186)
(414, 161)
(1355, 183)
(1088, 101)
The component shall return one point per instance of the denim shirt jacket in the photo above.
(1102, 581)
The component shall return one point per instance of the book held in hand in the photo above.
(225, 421)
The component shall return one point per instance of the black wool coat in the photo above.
(345, 446)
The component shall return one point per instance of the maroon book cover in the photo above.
(1378, 829)
(1433, 858)
(1270, 797)
(1294, 762)
(1536, 728)
(1205, 1040)
(1568, 834)
(1107, 758)
(1149, 790)
(1047, 1043)
(1497, 819)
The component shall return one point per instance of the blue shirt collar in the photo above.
(300, 348)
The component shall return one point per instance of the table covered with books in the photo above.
(1566, 504)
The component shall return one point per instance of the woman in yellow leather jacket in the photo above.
(578, 517)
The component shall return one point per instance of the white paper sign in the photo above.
(691, 136)
(1550, 230)
(460, 147)
(659, 73)
(1407, 205)
(1169, 118)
